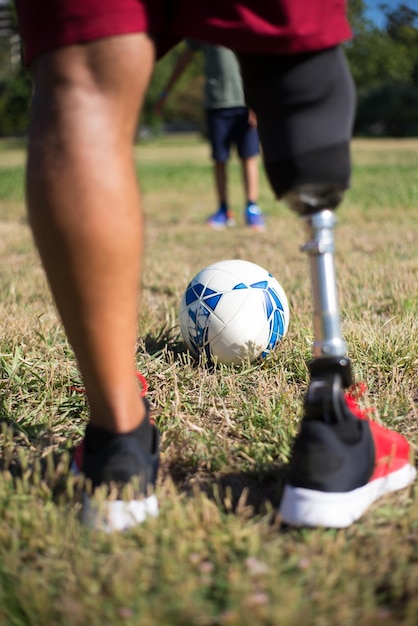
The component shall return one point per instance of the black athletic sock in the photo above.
(97, 438)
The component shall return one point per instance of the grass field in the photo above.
(217, 555)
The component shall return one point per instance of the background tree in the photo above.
(384, 63)
(15, 81)
(376, 55)
(185, 105)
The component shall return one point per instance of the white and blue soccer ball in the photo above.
(233, 311)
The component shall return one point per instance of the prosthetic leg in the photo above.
(341, 461)
(330, 368)
(305, 109)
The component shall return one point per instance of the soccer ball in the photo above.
(232, 311)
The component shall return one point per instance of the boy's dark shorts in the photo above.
(229, 127)
(261, 26)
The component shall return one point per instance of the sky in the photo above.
(375, 14)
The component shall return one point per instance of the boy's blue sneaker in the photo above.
(254, 217)
(221, 219)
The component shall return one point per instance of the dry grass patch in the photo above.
(216, 555)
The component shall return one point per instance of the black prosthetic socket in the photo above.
(304, 122)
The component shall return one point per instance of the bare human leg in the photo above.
(84, 209)
(223, 217)
(221, 182)
(250, 177)
(252, 214)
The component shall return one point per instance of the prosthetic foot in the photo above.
(341, 461)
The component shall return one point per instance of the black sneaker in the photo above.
(123, 464)
(337, 470)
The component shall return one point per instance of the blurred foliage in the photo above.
(184, 106)
(389, 109)
(377, 55)
(383, 60)
(15, 84)
(15, 93)
(384, 63)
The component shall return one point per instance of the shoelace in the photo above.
(144, 384)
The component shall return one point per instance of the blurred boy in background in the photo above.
(229, 124)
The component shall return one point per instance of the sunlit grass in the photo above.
(216, 555)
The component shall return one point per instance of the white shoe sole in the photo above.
(117, 515)
(214, 226)
(307, 507)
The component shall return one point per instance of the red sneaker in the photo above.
(338, 470)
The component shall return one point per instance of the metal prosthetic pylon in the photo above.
(330, 368)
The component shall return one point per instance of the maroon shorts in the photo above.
(259, 26)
